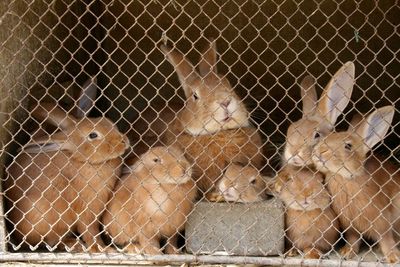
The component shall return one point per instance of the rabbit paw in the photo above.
(71, 244)
(214, 197)
(393, 256)
(312, 253)
(108, 249)
(150, 250)
(139, 249)
(293, 252)
(348, 252)
(96, 248)
(132, 249)
(172, 250)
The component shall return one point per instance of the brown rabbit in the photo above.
(320, 116)
(242, 184)
(365, 191)
(61, 183)
(213, 128)
(152, 201)
(311, 224)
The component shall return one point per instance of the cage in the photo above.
(123, 51)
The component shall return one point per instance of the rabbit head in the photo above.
(242, 184)
(345, 153)
(211, 103)
(94, 140)
(320, 116)
(164, 165)
(302, 189)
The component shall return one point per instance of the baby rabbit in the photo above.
(365, 190)
(59, 184)
(242, 184)
(152, 201)
(311, 224)
(213, 127)
(320, 116)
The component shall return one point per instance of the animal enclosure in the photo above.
(202, 100)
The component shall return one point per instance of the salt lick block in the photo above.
(254, 229)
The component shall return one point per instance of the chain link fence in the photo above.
(243, 132)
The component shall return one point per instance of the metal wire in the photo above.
(125, 60)
(63, 258)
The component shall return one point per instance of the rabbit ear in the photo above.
(374, 128)
(308, 94)
(54, 115)
(208, 62)
(39, 148)
(185, 70)
(86, 98)
(56, 142)
(337, 93)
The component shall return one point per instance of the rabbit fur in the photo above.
(213, 128)
(311, 224)
(365, 189)
(152, 201)
(61, 183)
(242, 184)
(319, 116)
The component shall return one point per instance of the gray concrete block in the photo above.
(254, 229)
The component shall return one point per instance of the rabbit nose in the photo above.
(226, 103)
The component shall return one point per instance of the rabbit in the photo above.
(311, 224)
(365, 189)
(213, 128)
(242, 184)
(60, 184)
(152, 201)
(320, 116)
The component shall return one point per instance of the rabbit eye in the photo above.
(253, 181)
(195, 96)
(93, 135)
(156, 160)
(348, 146)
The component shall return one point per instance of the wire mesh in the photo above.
(260, 132)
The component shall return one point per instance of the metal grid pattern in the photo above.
(124, 121)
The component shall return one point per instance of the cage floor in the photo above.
(366, 258)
